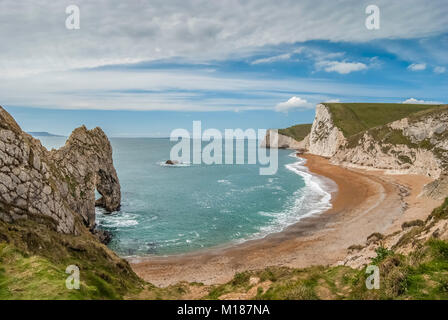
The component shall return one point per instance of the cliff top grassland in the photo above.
(297, 132)
(353, 118)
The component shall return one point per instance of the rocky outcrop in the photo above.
(413, 235)
(417, 144)
(55, 187)
(85, 163)
(438, 189)
(412, 145)
(325, 138)
(273, 139)
(394, 158)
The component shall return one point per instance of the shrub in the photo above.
(413, 223)
(374, 237)
(381, 254)
(355, 247)
(241, 279)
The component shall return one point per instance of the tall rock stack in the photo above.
(55, 187)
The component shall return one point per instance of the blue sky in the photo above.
(254, 65)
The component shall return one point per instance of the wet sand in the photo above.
(365, 202)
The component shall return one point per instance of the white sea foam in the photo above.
(312, 199)
(115, 220)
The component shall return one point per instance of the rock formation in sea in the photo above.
(171, 162)
(55, 187)
(47, 215)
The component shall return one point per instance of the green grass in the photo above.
(353, 118)
(297, 132)
(33, 260)
(422, 274)
(387, 137)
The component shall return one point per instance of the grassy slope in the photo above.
(297, 132)
(352, 118)
(33, 260)
(421, 275)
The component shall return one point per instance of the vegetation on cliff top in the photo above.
(297, 132)
(33, 262)
(353, 118)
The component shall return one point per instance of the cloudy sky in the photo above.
(143, 68)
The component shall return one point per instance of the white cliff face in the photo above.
(396, 159)
(426, 153)
(325, 138)
(431, 127)
(305, 143)
(414, 145)
(275, 140)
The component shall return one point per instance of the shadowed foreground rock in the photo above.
(55, 187)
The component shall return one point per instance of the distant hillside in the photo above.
(297, 132)
(42, 134)
(352, 118)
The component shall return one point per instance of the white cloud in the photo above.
(341, 67)
(293, 103)
(417, 67)
(183, 90)
(34, 37)
(439, 69)
(415, 101)
(280, 57)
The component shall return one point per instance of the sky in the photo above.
(144, 68)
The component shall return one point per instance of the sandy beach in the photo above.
(365, 202)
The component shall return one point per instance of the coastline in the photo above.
(365, 202)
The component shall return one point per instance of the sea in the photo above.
(175, 209)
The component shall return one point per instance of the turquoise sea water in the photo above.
(169, 210)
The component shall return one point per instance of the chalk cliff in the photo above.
(273, 139)
(397, 138)
(55, 187)
(325, 137)
(47, 216)
(415, 144)
(294, 137)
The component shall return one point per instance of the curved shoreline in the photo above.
(365, 202)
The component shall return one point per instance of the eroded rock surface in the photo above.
(55, 187)
(273, 139)
(413, 145)
(325, 138)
